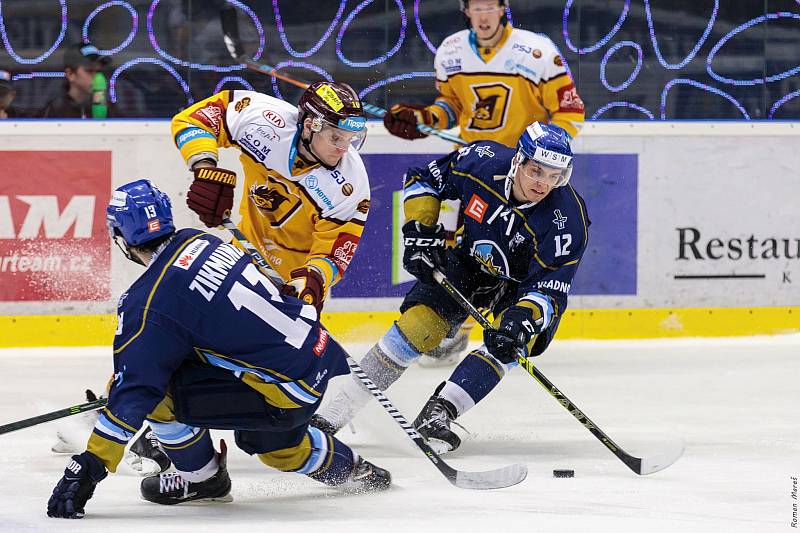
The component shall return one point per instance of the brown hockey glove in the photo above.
(402, 120)
(307, 285)
(211, 194)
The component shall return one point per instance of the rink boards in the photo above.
(695, 229)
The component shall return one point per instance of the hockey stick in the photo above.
(55, 415)
(230, 29)
(492, 479)
(640, 465)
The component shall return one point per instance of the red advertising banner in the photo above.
(53, 239)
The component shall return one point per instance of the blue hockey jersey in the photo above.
(204, 300)
(537, 246)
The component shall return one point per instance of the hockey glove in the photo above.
(517, 326)
(402, 120)
(211, 194)
(424, 249)
(82, 474)
(308, 285)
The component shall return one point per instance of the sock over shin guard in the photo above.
(189, 448)
(472, 380)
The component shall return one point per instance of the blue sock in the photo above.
(472, 380)
(331, 460)
(189, 448)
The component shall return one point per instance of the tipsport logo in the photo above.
(353, 123)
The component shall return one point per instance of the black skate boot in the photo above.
(146, 455)
(171, 488)
(433, 423)
(366, 477)
(323, 425)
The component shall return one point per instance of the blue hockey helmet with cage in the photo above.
(138, 213)
(548, 145)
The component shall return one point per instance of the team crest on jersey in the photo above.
(485, 107)
(491, 106)
(536, 53)
(266, 198)
(491, 258)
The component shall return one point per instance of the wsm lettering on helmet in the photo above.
(214, 270)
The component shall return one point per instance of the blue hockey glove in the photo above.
(72, 492)
(517, 326)
(424, 249)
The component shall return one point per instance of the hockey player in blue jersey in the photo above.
(525, 230)
(204, 340)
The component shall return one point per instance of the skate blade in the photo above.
(439, 446)
(228, 498)
(143, 466)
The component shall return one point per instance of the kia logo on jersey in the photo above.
(274, 118)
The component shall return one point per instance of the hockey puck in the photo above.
(563, 473)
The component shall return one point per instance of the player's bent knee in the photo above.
(423, 327)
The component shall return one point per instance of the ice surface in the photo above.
(735, 402)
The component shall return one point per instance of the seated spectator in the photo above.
(81, 63)
(7, 95)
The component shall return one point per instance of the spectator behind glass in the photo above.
(7, 94)
(81, 63)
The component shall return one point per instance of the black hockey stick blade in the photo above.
(54, 415)
(230, 31)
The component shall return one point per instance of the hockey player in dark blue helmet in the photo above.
(205, 341)
(525, 230)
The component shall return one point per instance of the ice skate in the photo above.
(146, 456)
(433, 423)
(171, 488)
(366, 477)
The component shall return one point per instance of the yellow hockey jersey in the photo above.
(295, 214)
(495, 93)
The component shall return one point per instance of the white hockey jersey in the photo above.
(296, 214)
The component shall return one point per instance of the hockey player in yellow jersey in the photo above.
(306, 191)
(494, 80)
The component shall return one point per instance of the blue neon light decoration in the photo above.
(127, 40)
(324, 57)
